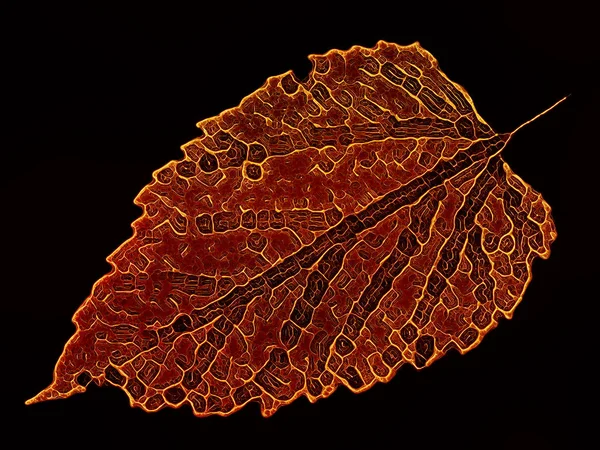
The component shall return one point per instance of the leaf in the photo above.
(324, 232)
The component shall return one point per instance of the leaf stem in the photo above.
(539, 115)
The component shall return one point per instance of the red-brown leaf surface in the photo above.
(324, 232)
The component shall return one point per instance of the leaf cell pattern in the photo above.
(323, 233)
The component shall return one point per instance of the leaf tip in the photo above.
(54, 392)
(40, 397)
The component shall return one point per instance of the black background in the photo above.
(98, 98)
